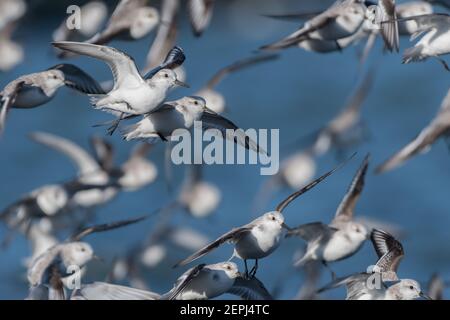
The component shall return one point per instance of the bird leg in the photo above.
(333, 275)
(253, 271)
(246, 269)
(443, 63)
(115, 124)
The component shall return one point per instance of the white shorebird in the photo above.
(200, 14)
(342, 24)
(259, 238)
(340, 20)
(382, 283)
(131, 20)
(132, 93)
(214, 99)
(198, 283)
(35, 89)
(51, 267)
(437, 128)
(92, 16)
(181, 114)
(343, 237)
(434, 30)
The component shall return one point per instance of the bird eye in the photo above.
(166, 75)
(83, 249)
(228, 267)
(196, 102)
(272, 218)
(411, 287)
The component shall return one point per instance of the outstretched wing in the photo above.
(227, 237)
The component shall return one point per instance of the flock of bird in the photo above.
(42, 214)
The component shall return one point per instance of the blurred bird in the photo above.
(410, 9)
(436, 287)
(444, 3)
(11, 53)
(131, 20)
(200, 14)
(259, 238)
(35, 89)
(11, 11)
(343, 237)
(92, 16)
(437, 128)
(382, 283)
(50, 268)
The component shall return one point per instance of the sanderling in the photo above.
(214, 99)
(435, 30)
(382, 283)
(35, 89)
(50, 268)
(131, 20)
(181, 114)
(437, 128)
(340, 20)
(343, 237)
(132, 93)
(259, 238)
(198, 283)
(200, 14)
(92, 16)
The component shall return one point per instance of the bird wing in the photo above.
(420, 144)
(84, 161)
(212, 120)
(79, 80)
(7, 98)
(174, 58)
(238, 65)
(347, 205)
(232, 235)
(200, 13)
(311, 231)
(105, 227)
(389, 250)
(123, 67)
(250, 289)
(40, 265)
(389, 30)
(183, 281)
(107, 291)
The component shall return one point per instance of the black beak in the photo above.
(425, 296)
(181, 84)
(285, 226)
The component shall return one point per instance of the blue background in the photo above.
(297, 94)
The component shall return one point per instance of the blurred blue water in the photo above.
(297, 94)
